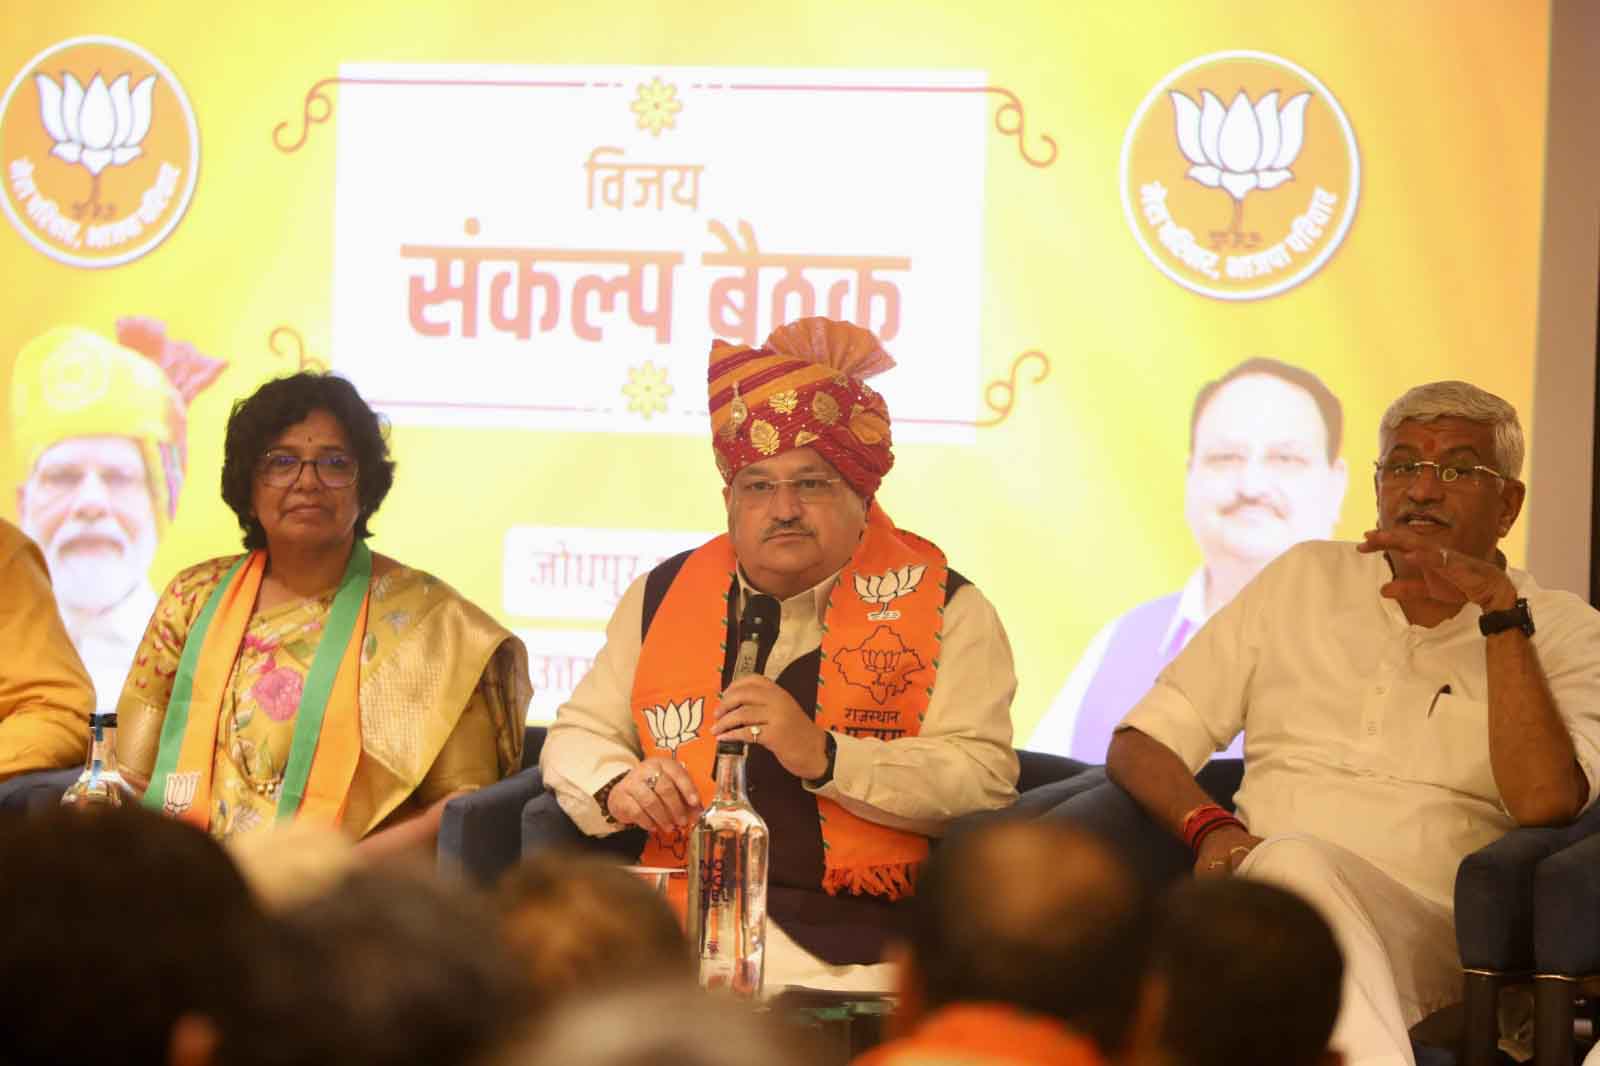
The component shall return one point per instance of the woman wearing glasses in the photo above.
(309, 678)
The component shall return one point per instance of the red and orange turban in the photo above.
(803, 388)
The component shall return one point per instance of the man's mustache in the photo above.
(1425, 514)
(1239, 503)
(72, 533)
(787, 527)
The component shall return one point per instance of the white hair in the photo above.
(1458, 399)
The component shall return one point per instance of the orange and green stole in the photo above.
(879, 661)
(327, 730)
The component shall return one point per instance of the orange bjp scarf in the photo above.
(327, 733)
(880, 658)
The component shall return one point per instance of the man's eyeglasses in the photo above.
(809, 489)
(280, 469)
(1406, 471)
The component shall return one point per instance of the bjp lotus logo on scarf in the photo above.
(99, 150)
(882, 664)
(179, 794)
(887, 587)
(673, 725)
(1245, 199)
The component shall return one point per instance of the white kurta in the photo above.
(1368, 734)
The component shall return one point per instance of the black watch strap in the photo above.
(831, 750)
(1513, 617)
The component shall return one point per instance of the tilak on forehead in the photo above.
(803, 388)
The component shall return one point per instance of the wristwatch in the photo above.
(830, 748)
(1514, 617)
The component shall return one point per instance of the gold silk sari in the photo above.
(443, 693)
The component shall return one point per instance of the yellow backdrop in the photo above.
(1066, 512)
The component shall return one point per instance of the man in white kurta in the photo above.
(1388, 733)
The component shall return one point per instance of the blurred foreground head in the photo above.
(1033, 915)
(128, 937)
(390, 967)
(1252, 973)
(673, 1024)
(579, 923)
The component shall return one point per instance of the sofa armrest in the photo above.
(39, 790)
(1495, 904)
(1566, 903)
(480, 832)
(546, 827)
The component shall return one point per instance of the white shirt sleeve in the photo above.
(962, 761)
(594, 738)
(1197, 705)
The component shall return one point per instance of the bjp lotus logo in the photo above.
(885, 588)
(1247, 147)
(673, 725)
(178, 796)
(1245, 199)
(95, 127)
(882, 664)
(99, 149)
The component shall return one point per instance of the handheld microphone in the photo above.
(758, 631)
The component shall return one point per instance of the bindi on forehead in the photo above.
(319, 430)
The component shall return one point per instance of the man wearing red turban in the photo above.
(883, 709)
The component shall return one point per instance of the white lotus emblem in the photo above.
(675, 724)
(1240, 148)
(178, 796)
(97, 127)
(887, 587)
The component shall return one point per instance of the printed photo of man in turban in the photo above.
(99, 434)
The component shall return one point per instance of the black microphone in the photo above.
(758, 631)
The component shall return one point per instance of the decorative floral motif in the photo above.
(804, 437)
(861, 426)
(647, 389)
(881, 664)
(825, 408)
(382, 587)
(784, 402)
(657, 106)
(673, 725)
(277, 691)
(764, 437)
(887, 587)
(738, 411)
(724, 467)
